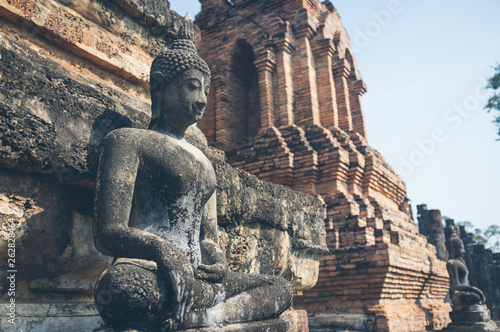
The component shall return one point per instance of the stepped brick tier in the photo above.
(286, 106)
(72, 71)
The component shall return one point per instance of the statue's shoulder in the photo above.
(125, 135)
(123, 139)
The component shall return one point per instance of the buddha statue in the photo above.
(155, 212)
(461, 292)
(470, 312)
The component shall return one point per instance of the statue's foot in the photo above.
(169, 325)
(194, 319)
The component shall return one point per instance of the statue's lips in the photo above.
(198, 111)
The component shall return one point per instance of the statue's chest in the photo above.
(177, 168)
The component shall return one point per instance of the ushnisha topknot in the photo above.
(181, 57)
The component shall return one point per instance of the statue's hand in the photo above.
(182, 282)
(215, 272)
(178, 272)
(214, 266)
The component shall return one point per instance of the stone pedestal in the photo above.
(473, 318)
(271, 325)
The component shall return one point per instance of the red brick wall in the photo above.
(311, 137)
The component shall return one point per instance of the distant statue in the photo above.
(470, 313)
(461, 292)
(155, 212)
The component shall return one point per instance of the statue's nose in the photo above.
(202, 99)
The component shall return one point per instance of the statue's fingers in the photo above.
(180, 311)
(204, 267)
(185, 303)
(211, 268)
(179, 291)
(190, 303)
(177, 294)
(178, 314)
(176, 285)
(185, 300)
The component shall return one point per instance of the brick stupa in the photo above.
(286, 106)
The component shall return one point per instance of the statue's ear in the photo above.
(155, 80)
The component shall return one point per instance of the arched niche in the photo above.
(243, 93)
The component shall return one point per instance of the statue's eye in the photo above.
(194, 85)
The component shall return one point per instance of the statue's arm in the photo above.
(118, 165)
(453, 272)
(214, 264)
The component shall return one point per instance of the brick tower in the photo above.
(286, 106)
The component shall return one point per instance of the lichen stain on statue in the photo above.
(470, 312)
(155, 212)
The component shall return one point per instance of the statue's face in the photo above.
(459, 249)
(185, 98)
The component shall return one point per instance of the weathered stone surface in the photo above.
(53, 121)
(259, 221)
(430, 224)
(46, 213)
(121, 36)
(484, 271)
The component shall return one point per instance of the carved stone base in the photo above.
(472, 327)
(473, 318)
(272, 325)
(470, 313)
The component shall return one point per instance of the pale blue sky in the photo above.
(425, 64)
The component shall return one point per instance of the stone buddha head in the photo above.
(179, 82)
(458, 249)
